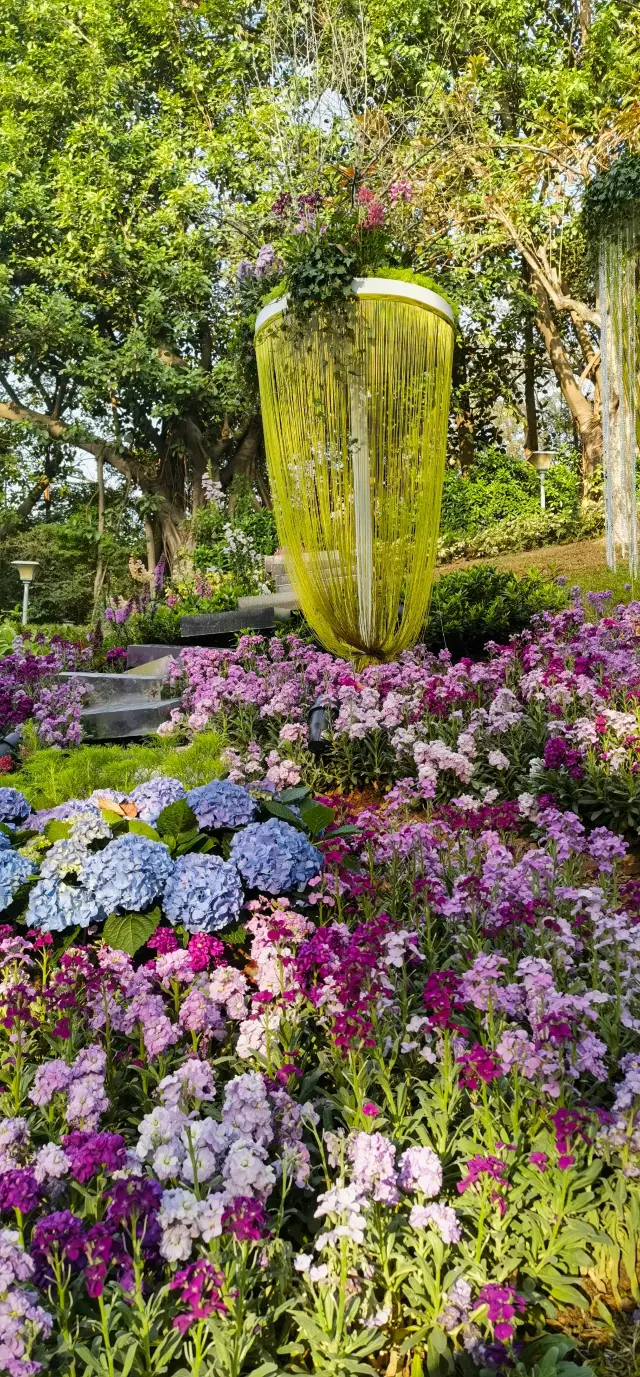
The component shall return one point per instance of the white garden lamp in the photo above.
(542, 460)
(26, 569)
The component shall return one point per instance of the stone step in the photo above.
(157, 668)
(213, 624)
(104, 689)
(142, 654)
(285, 599)
(126, 718)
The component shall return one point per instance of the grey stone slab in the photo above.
(159, 668)
(99, 689)
(226, 623)
(126, 718)
(142, 654)
(285, 598)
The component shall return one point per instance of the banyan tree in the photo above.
(355, 407)
(612, 218)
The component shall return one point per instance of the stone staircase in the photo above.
(117, 707)
(283, 600)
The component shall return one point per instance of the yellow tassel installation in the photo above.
(355, 412)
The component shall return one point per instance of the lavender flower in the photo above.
(155, 795)
(221, 804)
(204, 893)
(373, 1167)
(63, 812)
(421, 1169)
(273, 857)
(14, 872)
(129, 874)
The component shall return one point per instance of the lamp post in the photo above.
(26, 569)
(542, 460)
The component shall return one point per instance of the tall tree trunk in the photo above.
(151, 554)
(531, 417)
(100, 568)
(587, 424)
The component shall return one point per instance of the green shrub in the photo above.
(523, 533)
(63, 587)
(472, 606)
(500, 487)
(49, 777)
(159, 626)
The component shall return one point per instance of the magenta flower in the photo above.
(245, 1219)
(479, 1064)
(200, 1290)
(503, 1303)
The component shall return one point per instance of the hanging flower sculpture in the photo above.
(354, 387)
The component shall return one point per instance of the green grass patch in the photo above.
(49, 777)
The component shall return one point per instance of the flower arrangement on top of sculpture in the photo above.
(320, 240)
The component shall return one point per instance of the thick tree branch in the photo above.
(577, 309)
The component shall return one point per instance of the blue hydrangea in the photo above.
(129, 874)
(54, 906)
(14, 807)
(274, 857)
(154, 795)
(14, 870)
(66, 857)
(5, 844)
(63, 812)
(89, 827)
(221, 804)
(204, 893)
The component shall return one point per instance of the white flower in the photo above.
(210, 1216)
(303, 1262)
(319, 1273)
(498, 760)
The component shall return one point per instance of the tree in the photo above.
(534, 99)
(122, 131)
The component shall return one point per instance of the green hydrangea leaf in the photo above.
(130, 931)
(176, 818)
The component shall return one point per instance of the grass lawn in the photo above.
(582, 563)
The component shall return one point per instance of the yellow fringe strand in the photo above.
(355, 421)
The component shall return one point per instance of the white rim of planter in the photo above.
(390, 287)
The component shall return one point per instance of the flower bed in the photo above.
(293, 1087)
(29, 690)
(553, 713)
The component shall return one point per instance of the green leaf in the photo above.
(236, 935)
(113, 819)
(346, 831)
(294, 795)
(131, 931)
(176, 818)
(56, 830)
(279, 810)
(316, 816)
(142, 829)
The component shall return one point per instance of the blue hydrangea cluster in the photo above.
(5, 844)
(274, 857)
(54, 906)
(130, 874)
(14, 870)
(90, 827)
(221, 804)
(204, 893)
(154, 795)
(14, 807)
(66, 857)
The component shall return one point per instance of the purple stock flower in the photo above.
(19, 1190)
(503, 1303)
(89, 1153)
(245, 1219)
